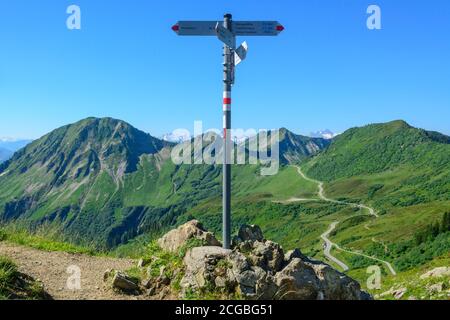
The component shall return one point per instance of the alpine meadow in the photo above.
(104, 185)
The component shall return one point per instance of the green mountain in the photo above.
(74, 177)
(404, 174)
(391, 164)
(296, 148)
(101, 181)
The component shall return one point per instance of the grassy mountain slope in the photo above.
(103, 182)
(401, 171)
(390, 166)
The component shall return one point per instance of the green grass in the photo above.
(410, 280)
(14, 285)
(156, 259)
(42, 242)
(284, 185)
(8, 274)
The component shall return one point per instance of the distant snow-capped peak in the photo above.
(177, 136)
(326, 134)
(8, 139)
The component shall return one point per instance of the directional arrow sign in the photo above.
(257, 28)
(241, 53)
(195, 28)
(226, 36)
(239, 28)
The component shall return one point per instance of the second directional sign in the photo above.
(257, 28)
(239, 28)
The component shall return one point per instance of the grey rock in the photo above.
(142, 263)
(267, 255)
(296, 253)
(437, 287)
(296, 282)
(247, 278)
(245, 246)
(147, 283)
(198, 262)
(151, 291)
(175, 239)
(220, 282)
(123, 282)
(164, 294)
(108, 273)
(238, 261)
(163, 280)
(162, 270)
(246, 292)
(308, 280)
(436, 273)
(399, 293)
(250, 233)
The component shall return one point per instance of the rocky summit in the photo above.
(255, 268)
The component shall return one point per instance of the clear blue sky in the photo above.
(326, 70)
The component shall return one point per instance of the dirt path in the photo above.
(53, 270)
(328, 243)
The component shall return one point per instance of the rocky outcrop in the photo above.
(175, 239)
(436, 273)
(259, 269)
(309, 279)
(255, 269)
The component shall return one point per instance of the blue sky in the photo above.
(326, 70)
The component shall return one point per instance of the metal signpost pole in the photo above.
(227, 72)
(227, 31)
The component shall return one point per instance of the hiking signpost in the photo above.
(227, 31)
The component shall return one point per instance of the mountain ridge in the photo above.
(101, 180)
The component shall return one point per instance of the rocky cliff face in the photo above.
(255, 269)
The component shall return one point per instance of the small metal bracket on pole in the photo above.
(227, 31)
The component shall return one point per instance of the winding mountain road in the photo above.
(328, 244)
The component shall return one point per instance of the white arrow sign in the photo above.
(257, 28)
(226, 36)
(239, 28)
(195, 28)
(241, 53)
